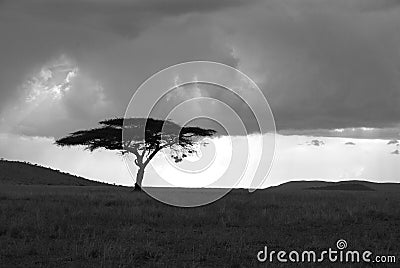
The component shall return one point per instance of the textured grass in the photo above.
(55, 226)
(25, 173)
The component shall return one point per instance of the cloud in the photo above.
(396, 152)
(355, 133)
(121, 17)
(371, 6)
(316, 143)
(324, 68)
(57, 97)
(110, 65)
(323, 65)
(350, 143)
(393, 142)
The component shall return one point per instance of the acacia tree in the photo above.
(142, 137)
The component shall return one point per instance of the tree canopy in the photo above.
(143, 137)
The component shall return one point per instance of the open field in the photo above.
(105, 226)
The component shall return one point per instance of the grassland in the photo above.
(25, 173)
(105, 226)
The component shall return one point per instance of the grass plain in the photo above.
(110, 226)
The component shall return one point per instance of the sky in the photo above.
(330, 71)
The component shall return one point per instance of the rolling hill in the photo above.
(350, 185)
(24, 173)
(344, 187)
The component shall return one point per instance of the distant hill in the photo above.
(351, 185)
(343, 187)
(24, 173)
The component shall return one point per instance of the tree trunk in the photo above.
(139, 179)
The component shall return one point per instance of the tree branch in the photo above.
(144, 152)
(158, 148)
(139, 158)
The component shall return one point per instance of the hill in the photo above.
(343, 187)
(24, 173)
(351, 185)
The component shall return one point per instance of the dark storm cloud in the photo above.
(337, 76)
(379, 5)
(92, 34)
(124, 17)
(323, 65)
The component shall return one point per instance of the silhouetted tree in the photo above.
(143, 137)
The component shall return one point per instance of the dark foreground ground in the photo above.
(105, 226)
